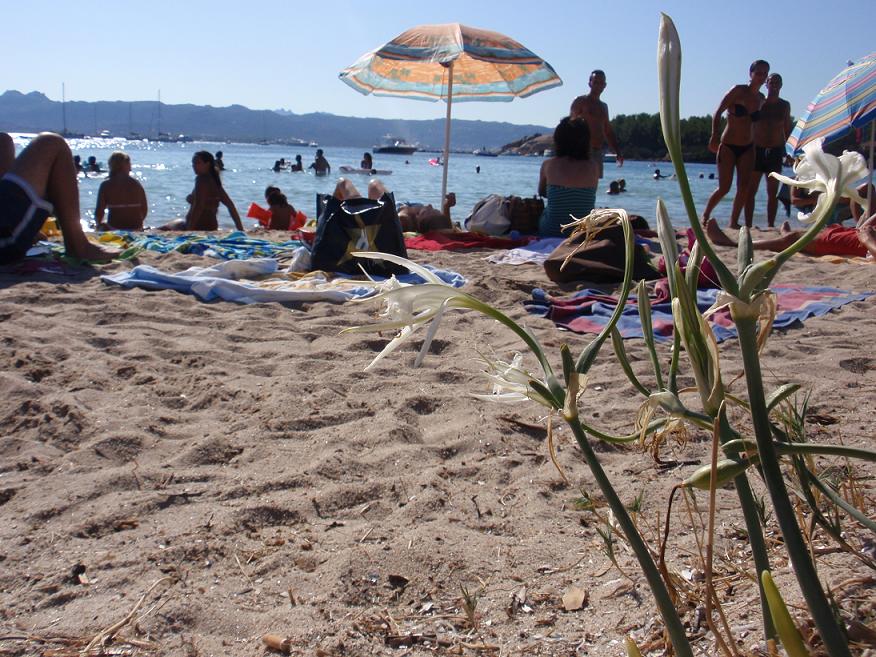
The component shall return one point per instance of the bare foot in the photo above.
(716, 235)
(734, 226)
(785, 227)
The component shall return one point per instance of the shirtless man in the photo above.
(590, 108)
(770, 134)
(40, 182)
(320, 165)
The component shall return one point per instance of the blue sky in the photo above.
(269, 54)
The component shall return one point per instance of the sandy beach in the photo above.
(235, 467)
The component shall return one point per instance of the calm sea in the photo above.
(165, 171)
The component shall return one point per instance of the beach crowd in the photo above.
(42, 181)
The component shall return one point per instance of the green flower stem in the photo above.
(788, 449)
(646, 562)
(728, 282)
(644, 306)
(807, 577)
(840, 501)
(528, 339)
(621, 353)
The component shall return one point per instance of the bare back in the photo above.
(124, 200)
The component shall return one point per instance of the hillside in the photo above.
(34, 112)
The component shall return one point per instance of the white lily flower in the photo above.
(407, 307)
(669, 81)
(822, 172)
(511, 383)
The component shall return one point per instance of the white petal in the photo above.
(429, 276)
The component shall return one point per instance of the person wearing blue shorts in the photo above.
(41, 182)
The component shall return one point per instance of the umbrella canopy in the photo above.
(452, 62)
(848, 101)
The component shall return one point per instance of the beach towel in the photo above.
(455, 240)
(234, 246)
(588, 311)
(535, 252)
(258, 280)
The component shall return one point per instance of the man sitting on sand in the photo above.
(7, 153)
(40, 182)
(834, 240)
(413, 218)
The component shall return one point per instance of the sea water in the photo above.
(165, 171)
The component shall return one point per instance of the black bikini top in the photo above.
(740, 110)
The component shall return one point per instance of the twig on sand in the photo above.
(108, 633)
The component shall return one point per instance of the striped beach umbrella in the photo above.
(451, 62)
(847, 102)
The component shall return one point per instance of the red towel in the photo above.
(455, 240)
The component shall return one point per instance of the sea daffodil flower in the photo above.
(407, 307)
(822, 172)
(511, 383)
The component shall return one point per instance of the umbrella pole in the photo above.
(868, 208)
(447, 134)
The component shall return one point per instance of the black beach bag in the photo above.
(358, 224)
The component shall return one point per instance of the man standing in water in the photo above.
(590, 108)
(770, 134)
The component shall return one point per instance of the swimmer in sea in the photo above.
(320, 165)
(121, 197)
(734, 148)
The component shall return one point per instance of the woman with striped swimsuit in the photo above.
(569, 179)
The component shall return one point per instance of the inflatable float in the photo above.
(365, 172)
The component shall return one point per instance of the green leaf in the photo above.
(785, 627)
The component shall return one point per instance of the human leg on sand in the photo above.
(46, 165)
(726, 162)
(833, 240)
(7, 153)
(744, 168)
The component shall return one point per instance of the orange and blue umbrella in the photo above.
(847, 102)
(451, 62)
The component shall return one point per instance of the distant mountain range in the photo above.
(34, 112)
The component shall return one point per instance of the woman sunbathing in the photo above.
(121, 197)
(205, 198)
(416, 218)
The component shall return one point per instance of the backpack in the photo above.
(358, 224)
(490, 215)
(497, 215)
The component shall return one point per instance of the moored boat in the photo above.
(395, 146)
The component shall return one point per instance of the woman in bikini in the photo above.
(735, 148)
(120, 197)
(207, 196)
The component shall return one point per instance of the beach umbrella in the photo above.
(454, 63)
(847, 102)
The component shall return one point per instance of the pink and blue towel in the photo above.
(588, 311)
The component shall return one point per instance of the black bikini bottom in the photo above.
(738, 150)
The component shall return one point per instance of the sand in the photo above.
(240, 457)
